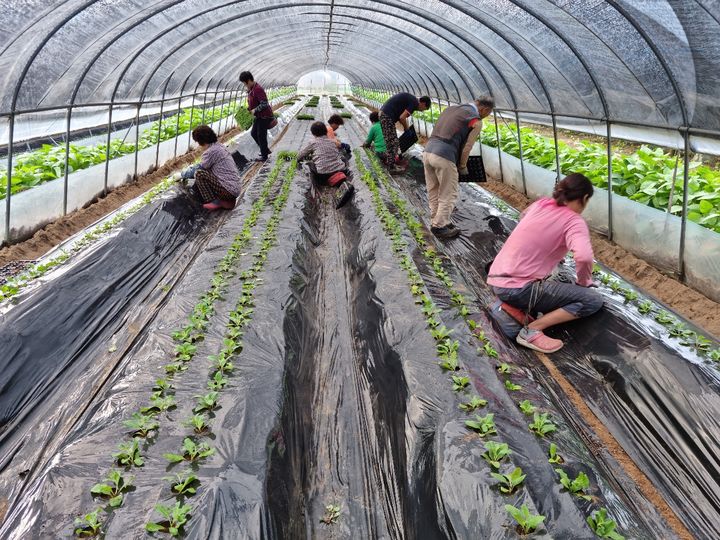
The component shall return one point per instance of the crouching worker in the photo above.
(334, 123)
(216, 176)
(375, 139)
(547, 230)
(327, 165)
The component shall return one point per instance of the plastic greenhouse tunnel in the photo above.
(249, 280)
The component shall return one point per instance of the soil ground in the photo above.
(694, 306)
(54, 233)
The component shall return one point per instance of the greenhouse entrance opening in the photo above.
(323, 82)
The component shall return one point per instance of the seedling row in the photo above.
(446, 349)
(143, 424)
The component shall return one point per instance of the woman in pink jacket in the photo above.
(548, 229)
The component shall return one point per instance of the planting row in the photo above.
(144, 425)
(447, 350)
(649, 176)
(14, 285)
(48, 162)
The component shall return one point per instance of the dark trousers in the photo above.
(259, 134)
(551, 295)
(391, 139)
(210, 187)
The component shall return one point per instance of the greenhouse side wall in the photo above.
(649, 233)
(32, 209)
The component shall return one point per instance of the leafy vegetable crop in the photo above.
(526, 521)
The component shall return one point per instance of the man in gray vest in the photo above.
(446, 156)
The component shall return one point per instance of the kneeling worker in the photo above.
(548, 229)
(216, 176)
(328, 166)
(446, 156)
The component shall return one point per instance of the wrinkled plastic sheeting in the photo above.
(65, 336)
(658, 399)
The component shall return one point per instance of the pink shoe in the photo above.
(212, 206)
(536, 340)
(227, 205)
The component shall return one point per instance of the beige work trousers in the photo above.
(441, 179)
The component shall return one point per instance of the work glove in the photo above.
(189, 173)
(463, 171)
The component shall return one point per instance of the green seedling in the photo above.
(158, 404)
(175, 517)
(630, 296)
(577, 486)
(475, 403)
(596, 269)
(482, 425)
(175, 367)
(526, 407)
(509, 482)
(162, 386)
(208, 402)
(696, 341)
(450, 364)
(192, 452)
(185, 351)
(221, 362)
(141, 424)
(664, 318)
(490, 351)
(526, 521)
(432, 322)
(332, 513)
(471, 324)
(554, 457)
(602, 526)
(441, 333)
(128, 454)
(199, 423)
(233, 346)
(460, 383)
(88, 525)
(645, 307)
(504, 368)
(541, 425)
(679, 330)
(495, 453)
(511, 385)
(714, 355)
(184, 335)
(113, 488)
(217, 382)
(184, 483)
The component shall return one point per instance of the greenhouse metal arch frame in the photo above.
(496, 48)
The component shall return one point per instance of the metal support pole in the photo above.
(192, 111)
(177, 125)
(610, 185)
(159, 132)
(11, 134)
(107, 149)
(68, 120)
(522, 163)
(557, 148)
(160, 121)
(137, 139)
(497, 138)
(202, 121)
(683, 222)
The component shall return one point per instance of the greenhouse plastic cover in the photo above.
(647, 61)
